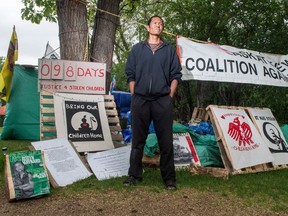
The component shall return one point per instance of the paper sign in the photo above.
(111, 163)
(62, 161)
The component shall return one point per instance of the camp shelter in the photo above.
(23, 109)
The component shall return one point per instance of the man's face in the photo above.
(155, 27)
(19, 167)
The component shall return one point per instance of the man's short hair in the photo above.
(149, 21)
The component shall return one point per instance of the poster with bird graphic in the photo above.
(243, 142)
(271, 133)
(82, 119)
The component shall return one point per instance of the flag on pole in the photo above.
(50, 53)
(113, 84)
(8, 67)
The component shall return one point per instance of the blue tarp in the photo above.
(123, 101)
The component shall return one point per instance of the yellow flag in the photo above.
(8, 67)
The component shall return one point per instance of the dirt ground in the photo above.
(138, 200)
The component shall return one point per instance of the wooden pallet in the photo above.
(225, 152)
(210, 171)
(151, 161)
(47, 118)
(199, 114)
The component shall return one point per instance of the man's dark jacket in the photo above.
(153, 72)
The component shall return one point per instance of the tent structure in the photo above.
(23, 109)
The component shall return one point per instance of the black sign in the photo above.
(83, 121)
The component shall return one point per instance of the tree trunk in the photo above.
(103, 38)
(201, 97)
(73, 29)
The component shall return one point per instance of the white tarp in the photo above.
(212, 62)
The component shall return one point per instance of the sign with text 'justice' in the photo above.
(71, 76)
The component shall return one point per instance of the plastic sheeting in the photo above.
(203, 128)
(205, 145)
(284, 129)
(23, 109)
(123, 101)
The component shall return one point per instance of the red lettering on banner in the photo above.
(94, 88)
(102, 72)
(77, 88)
(95, 71)
(49, 86)
(80, 72)
(47, 70)
(90, 72)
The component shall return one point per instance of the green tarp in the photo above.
(23, 109)
(205, 145)
(284, 129)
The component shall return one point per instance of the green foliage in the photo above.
(119, 72)
(37, 10)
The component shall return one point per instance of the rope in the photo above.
(131, 21)
(86, 53)
(120, 17)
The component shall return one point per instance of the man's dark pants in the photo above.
(142, 112)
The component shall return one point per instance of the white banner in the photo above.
(212, 62)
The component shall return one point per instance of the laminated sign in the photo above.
(184, 150)
(82, 119)
(26, 175)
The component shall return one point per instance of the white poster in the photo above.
(243, 141)
(184, 150)
(56, 75)
(111, 163)
(271, 133)
(213, 62)
(82, 119)
(62, 161)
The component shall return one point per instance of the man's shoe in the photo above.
(170, 185)
(131, 181)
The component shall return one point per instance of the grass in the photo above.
(266, 190)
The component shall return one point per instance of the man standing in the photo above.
(153, 73)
